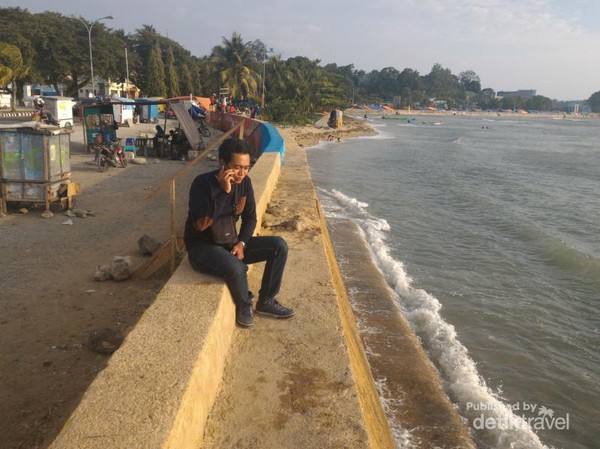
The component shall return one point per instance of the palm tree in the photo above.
(233, 62)
(278, 76)
(12, 68)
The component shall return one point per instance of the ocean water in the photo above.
(486, 233)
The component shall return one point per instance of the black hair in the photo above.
(231, 146)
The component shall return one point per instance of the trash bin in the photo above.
(35, 166)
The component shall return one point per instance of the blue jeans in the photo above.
(218, 261)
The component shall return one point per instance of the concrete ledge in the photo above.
(378, 428)
(16, 113)
(159, 387)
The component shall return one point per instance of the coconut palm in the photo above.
(12, 68)
(278, 76)
(233, 62)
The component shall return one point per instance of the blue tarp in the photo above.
(271, 141)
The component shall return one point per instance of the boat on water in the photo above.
(399, 117)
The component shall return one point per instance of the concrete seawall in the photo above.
(186, 377)
(160, 385)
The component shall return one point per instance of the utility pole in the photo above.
(126, 75)
(262, 98)
(89, 30)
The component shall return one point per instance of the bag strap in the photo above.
(215, 190)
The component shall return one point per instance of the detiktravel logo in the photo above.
(525, 415)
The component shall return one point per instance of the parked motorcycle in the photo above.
(202, 128)
(41, 115)
(110, 155)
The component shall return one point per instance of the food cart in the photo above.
(61, 108)
(35, 166)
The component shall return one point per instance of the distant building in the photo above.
(108, 88)
(525, 94)
(577, 107)
(30, 90)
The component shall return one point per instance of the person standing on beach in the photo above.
(217, 199)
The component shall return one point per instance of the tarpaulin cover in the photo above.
(189, 127)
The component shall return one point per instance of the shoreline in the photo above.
(357, 113)
(426, 414)
(311, 135)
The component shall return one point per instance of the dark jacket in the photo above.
(208, 201)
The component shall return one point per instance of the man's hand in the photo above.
(225, 177)
(238, 250)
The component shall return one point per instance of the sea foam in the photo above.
(462, 381)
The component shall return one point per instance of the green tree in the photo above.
(233, 63)
(347, 79)
(412, 87)
(16, 26)
(383, 84)
(144, 40)
(594, 101)
(514, 103)
(486, 99)
(155, 74)
(277, 76)
(442, 84)
(539, 103)
(186, 82)
(301, 82)
(470, 81)
(258, 51)
(12, 68)
(172, 78)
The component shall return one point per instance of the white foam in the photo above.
(321, 145)
(402, 437)
(381, 135)
(461, 379)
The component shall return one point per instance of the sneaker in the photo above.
(244, 316)
(271, 307)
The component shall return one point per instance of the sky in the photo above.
(548, 45)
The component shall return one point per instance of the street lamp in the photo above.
(89, 30)
(262, 98)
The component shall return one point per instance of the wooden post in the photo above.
(242, 123)
(168, 251)
(172, 222)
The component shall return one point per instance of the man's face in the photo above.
(240, 164)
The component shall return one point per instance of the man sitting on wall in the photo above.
(217, 199)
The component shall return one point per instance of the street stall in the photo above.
(61, 108)
(123, 111)
(35, 166)
(148, 110)
(99, 119)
